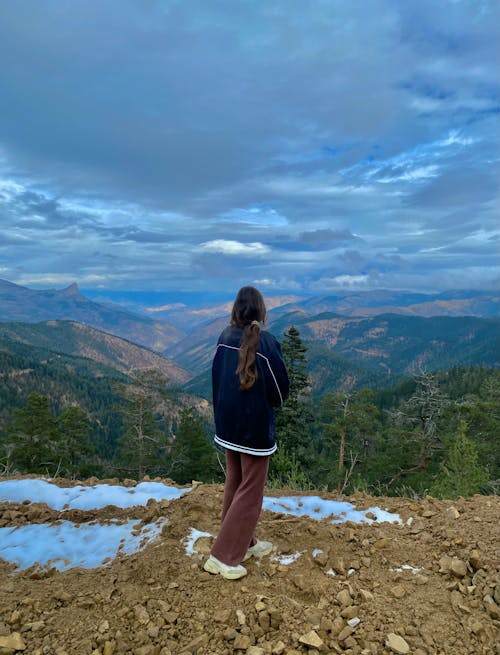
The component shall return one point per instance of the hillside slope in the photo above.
(76, 339)
(19, 303)
(432, 581)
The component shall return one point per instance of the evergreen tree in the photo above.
(192, 456)
(460, 474)
(75, 433)
(294, 419)
(32, 444)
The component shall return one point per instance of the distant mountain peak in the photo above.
(72, 290)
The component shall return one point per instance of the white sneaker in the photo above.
(259, 549)
(213, 565)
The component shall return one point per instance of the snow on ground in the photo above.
(81, 497)
(192, 538)
(318, 508)
(66, 545)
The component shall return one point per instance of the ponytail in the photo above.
(247, 369)
(249, 311)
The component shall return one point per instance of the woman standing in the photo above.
(249, 379)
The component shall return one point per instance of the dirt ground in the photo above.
(355, 597)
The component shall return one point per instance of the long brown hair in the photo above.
(249, 311)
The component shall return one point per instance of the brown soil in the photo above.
(160, 601)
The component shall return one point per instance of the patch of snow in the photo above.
(316, 552)
(330, 572)
(287, 559)
(407, 567)
(351, 571)
(82, 497)
(192, 538)
(67, 545)
(319, 508)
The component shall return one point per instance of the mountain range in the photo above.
(352, 339)
(20, 304)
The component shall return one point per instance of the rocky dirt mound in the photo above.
(428, 587)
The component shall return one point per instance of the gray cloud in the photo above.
(349, 140)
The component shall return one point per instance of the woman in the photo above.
(249, 379)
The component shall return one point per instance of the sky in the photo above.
(302, 147)
(66, 544)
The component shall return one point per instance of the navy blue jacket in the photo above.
(244, 420)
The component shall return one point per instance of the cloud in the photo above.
(226, 247)
(197, 145)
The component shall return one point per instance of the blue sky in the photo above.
(302, 147)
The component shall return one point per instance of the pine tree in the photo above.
(75, 433)
(461, 474)
(192, 455)
(32, 443)
(294, 419)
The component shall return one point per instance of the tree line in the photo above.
(435, 433)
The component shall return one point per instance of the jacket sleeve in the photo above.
(278, 385)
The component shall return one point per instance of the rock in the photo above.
(344, 598)
(229, 634)
(242, 619)
(366, 595)
(312, 638)
(452, 513)
(108, 649)
(14, 641)
(398, 591)
(141, 614)
(382, 543)
(420, 579)
(346, 632)
(241, 642)
(458, 567)
(278, 648)
(445, 564)
(222, 616)
(145, 650)
(103, 626)
(199, 642)
(337, 564)
(255, 650)
(354, 622)
(349, 612)
(397, 644)
(475, 560)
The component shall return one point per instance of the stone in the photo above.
(452, 513)
(445, 564)
(337, 564)
(354, 622)
(366, 595)
(108, 649)
(241, 642)
(278, 648)
(458, 567)
(398, 591)
(14, 641)
(397, 644)
(312, 638)
(344, 598)
(255, 650)
(346, 632)
(475, 560)
(195, 644)
(349, 612)
(382, 543)
(240, 615)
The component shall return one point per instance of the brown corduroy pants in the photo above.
(246, 477)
